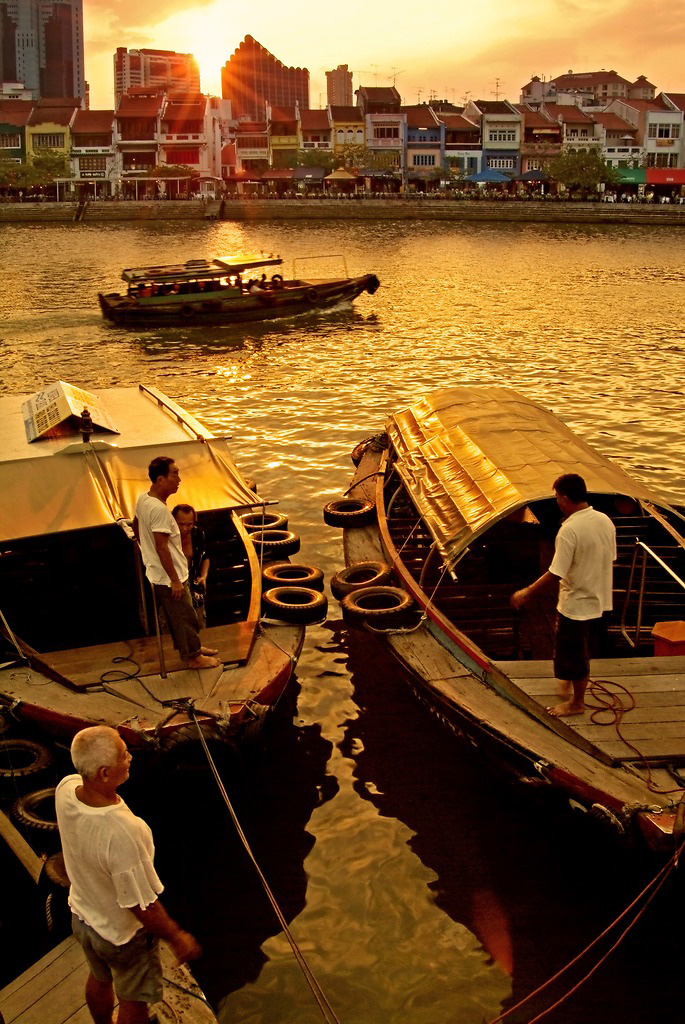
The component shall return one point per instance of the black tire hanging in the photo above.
(377, 605)
(349, 512)
(36, 810)
(312, 296)
(297, 605)
(277, 542)
(291, 574)
(359, 576)
(23, 759)
(255, 521)
(187, 312)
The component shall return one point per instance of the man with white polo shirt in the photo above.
(166, 566)
(584, 553)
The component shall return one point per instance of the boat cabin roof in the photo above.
(470, 456)
(52, 481)
(203, 269)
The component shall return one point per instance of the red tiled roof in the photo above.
(278, 174)
(587, 78)
(420, 116)
(250, 127)
(458, 123)
(641, 82)
(93, 121)
(348, 114)
(678, 98)
(131, 105)
(184, 111)
(283, 114)
(645, 104)
(567, 113)
(612, 122)
(380, 93)
(533, 118)
(15, 112)
(314, 120)
(185, 97)
(45, 114)
(495, 107)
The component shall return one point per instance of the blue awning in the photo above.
(489, 175)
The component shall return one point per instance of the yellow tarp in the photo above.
(472, 455)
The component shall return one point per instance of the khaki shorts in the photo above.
(134, 968)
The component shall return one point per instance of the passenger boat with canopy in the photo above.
(453, 505)
(79, 630)
(218, 291)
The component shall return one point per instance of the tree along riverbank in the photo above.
(548, 211)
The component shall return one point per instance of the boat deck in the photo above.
(655, 726)
(52, 991)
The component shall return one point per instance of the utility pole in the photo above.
(498, 82)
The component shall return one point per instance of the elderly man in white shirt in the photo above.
(584, 553)
(114, 896)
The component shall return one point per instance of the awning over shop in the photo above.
(470, 456)
(665, 176)
(490, 175)
(279, 174)
(341, 175)
(309, 173)
(631, 175)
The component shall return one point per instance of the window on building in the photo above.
(501, 163)
(386, 131)
(92, 163)
(424, 160)
(48, 140)
(191, 155)
(10, 141)
(502, 135)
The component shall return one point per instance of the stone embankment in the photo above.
(347, 209)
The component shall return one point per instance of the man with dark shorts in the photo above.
(584, 553)
(114, 895)
(166, 566)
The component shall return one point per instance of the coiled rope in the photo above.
(655, 884)
(325, 1007)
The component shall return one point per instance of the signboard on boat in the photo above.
(56, 412)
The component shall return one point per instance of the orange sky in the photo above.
(432, 46)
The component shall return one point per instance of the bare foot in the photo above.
(202, 661)
(569, 707)
(209, 650)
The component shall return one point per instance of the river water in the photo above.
(418, 886)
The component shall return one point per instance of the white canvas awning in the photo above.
(470, 456)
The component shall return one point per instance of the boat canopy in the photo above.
(194, 269)
(470, 456)
(59, 483)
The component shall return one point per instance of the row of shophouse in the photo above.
(152, 127)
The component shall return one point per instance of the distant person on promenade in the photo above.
(166, 566)
(114, 896)
(584, 553)
(193, 544)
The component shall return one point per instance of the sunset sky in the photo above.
(437, 46)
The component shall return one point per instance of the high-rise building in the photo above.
(253, 78)
(339, 87)
(163, 68)
(41, 46)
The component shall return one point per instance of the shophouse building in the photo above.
(253, 78)
(93, 156)
(425, 141)
(620, 146)
(49, 127)
(283, 136)
(463, 149)
(348, 127)
(585, 89)
(137, 132)
(315, 130)
(41, 47)
(578, 128)
(386, 127)
(251, 146)
(541, 140)
(659, 129)
(14, 117)
(501, 127)
(160, 69)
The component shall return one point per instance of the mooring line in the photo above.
(325, 1007)
(656, 883)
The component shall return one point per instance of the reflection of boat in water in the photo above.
(76, 606)
(460, 487)
(214, 292)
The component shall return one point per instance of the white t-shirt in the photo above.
(584, 553)
(154, 517)
(108, 854)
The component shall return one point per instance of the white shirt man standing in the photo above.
(117, 916)
(584, 553)
(166, 566)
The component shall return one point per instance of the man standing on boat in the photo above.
(166, 566)
(584, 553)
(117, 916)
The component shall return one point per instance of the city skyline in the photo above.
(489, 50)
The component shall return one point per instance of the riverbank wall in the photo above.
(549, 212)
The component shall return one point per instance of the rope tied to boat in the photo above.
(324, 1005)
(655, 884)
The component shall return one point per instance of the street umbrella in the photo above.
(534, 175)
(490, 176)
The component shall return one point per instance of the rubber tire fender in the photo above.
(277, 278)
(346, 512)
(297, 605)
(255, 521)
(26, 810)
(277, 542)
(292, 574)
(39, 759)
(312, 296)
(360, 575)
(376, 605)
(187, 311)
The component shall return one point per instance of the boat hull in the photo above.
(271, 304)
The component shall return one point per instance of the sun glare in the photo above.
(210, 51)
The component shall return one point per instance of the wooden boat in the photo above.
(456, 499)
(78, 628)
(216, 292)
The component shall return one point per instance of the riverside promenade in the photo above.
(415, 208)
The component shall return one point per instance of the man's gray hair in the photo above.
(93, 748)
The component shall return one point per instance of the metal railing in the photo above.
(641, 593)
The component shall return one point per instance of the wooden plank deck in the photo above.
(52, 991)
(655, 726)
